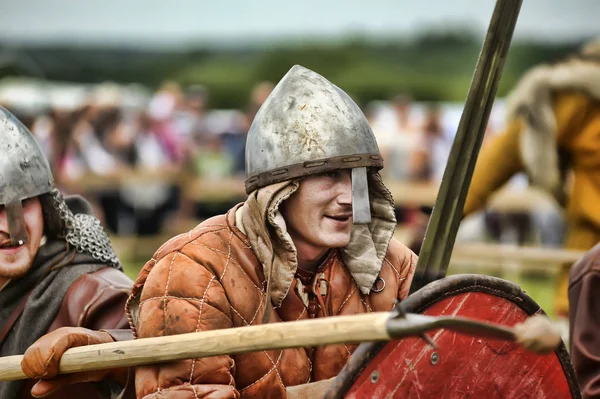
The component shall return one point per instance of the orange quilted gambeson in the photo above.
(209, 278)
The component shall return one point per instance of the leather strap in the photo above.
(14, 316)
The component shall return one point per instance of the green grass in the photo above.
(539, 287)
(132, 269)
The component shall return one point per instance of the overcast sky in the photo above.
(187, 22)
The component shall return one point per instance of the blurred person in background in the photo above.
(161, 111)
(427, 163)
(234, 140)
(203, 150)
(43, 128)
(85, 132)
(402, 139)
(553, 134)
(397, 134)
(428, 160)
(149, 202)
(190, 118)
(98, 146)
(107, 139)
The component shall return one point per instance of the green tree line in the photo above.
(436, 66)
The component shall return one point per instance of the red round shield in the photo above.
(461, 366)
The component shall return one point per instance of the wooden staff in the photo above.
(381, 326)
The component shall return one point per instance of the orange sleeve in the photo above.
(498, 161)
(182, 296)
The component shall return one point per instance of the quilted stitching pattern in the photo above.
(208, 279)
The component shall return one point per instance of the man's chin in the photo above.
(338, 242)
(14, 266)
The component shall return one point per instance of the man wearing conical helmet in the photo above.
(313, 239)
(57, 267)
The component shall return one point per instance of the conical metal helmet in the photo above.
(307, 126)
(24, 172)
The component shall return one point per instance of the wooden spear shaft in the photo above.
(535, 333)
(305, 333)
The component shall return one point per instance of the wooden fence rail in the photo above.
(198, 189)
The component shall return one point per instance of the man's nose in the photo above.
(345, 188)
(3, 219)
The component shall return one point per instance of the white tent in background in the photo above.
(31, 95)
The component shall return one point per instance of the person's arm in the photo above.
(182, 296)
(98, 159)
(497, 162)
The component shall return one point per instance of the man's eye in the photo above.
(332, 174)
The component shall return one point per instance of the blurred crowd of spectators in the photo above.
(175, 130)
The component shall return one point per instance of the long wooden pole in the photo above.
(436, 250)
(370, 327)
(305, 333)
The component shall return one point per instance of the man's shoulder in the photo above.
(400, 254)
(95, 299)
(210, 232)
(209, 245)
(106, 281)
(103, 278)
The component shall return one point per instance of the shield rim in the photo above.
(429, 295)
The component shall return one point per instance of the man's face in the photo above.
(319, 214)
(16, 260)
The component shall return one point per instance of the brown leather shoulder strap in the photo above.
(14, 316)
